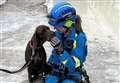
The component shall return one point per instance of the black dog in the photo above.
(35, 55)
(36, 51)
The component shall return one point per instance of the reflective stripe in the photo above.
(76, 35)
(75, 42)
(63, 7)
(64, 62)
(77, 61)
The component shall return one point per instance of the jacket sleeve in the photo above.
(78, 55)
(80, 51)
(67, 61)
(64, 59)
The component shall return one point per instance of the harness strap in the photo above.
(31, 46)
(33, 51)
(76, 80)
(58, 74)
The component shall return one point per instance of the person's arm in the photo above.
(78, 56)
(53, 53)
(67, 60)
(80, 51)
(60, 54)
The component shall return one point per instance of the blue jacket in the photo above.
(79, 52)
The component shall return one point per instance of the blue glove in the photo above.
(56, 43)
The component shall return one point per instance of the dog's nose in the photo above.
(52, 33)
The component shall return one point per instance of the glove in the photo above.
(56, 43)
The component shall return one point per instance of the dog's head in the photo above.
(42, 34)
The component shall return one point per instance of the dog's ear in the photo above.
(34, 40)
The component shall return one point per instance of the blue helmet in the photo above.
(60, 13)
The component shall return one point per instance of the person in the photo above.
(69, 45)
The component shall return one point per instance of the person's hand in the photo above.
(56, 43)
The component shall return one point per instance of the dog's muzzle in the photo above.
(50, 35)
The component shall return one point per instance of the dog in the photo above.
(35, 55)
(36, 50)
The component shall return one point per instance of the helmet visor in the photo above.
(52, 21)
(56, 22)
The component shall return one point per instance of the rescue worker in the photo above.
(69, 43)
